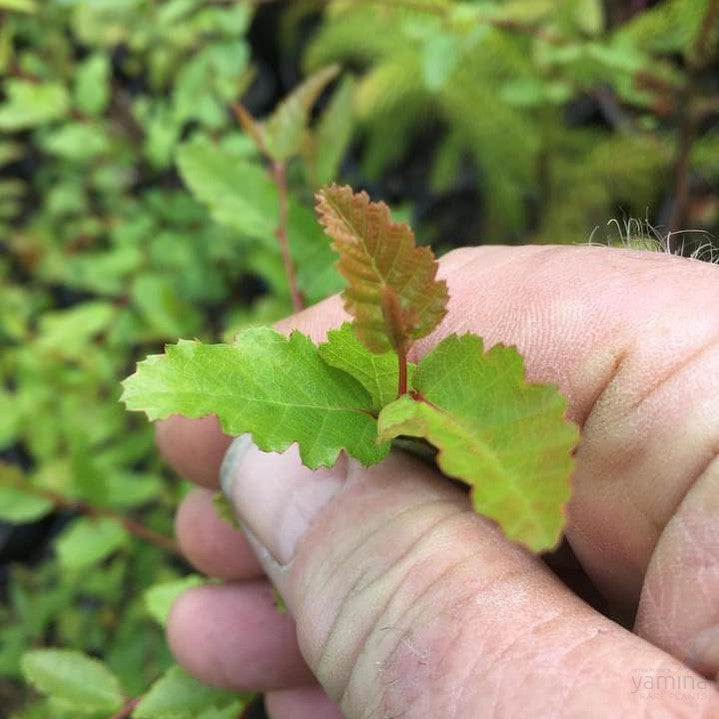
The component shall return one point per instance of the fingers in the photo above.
(679, 606)
(408, 604)
(308, 702)
(193, 447)
(620, 333)
(210, 543)
(232, 636)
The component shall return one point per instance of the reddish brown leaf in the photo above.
(392, 291)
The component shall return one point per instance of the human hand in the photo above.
(404, 603)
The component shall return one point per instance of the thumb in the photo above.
(409, 604)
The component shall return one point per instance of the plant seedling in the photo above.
(356, 392)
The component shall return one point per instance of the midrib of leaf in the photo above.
(381, 277)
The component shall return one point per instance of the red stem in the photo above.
(278, 175)
(126, 709)
(700, 45)
(135, 528)
(402, 360)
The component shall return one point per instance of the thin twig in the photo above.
(699, 51)
(82, 507)
(280, 179)
(255, 131)
(127, 708)
(402, 375)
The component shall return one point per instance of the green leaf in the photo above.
(160, 304)
(91, 93)
(589, 16)
(506, 438)
(74, 679)
(239, 193)
(377, 373)
(440, 56)
(159, 598)
(285, 130)
(333, 133)
(88, 541)
(18, 506)
(392, 289)
(77, 141)
(176, 695)
(69, 331)
(30, 104)
(276, 388)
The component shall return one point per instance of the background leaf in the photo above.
(276, 388)
(332, 134)
(29, 104)
(159, 598)
(91, 92)
(85, 684)
(504, 437)
(440, 56)
(238, 192)
(88, 541)
(286, 127)
(176, 695)
(17, 506)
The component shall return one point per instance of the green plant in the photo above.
(354, 393)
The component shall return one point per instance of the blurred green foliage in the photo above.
(503, 80)
(134, 209)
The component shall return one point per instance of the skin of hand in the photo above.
(404, 603)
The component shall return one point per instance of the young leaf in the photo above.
(377, 373)
(176, 695)
(506, 438)
(74, 679)
(279, 389)
(392, 290)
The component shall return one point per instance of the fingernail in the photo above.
(704, 652)
(275, 497)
